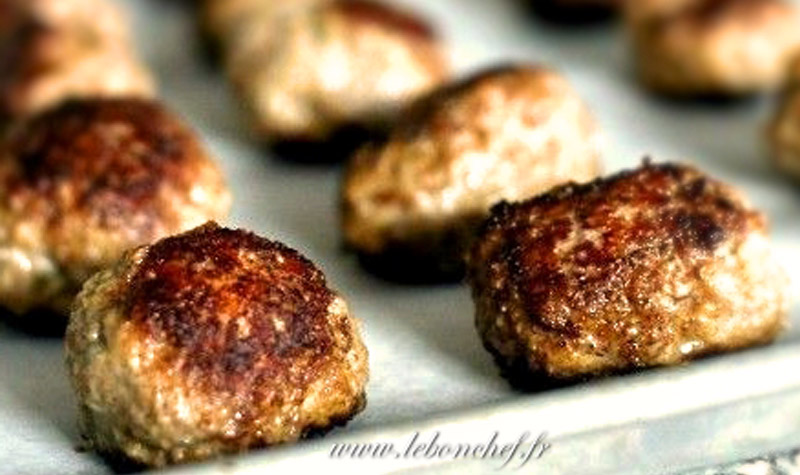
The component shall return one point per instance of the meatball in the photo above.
(52, 50)
(784, 130)
(411, 205)
(651, 267)
(84, 182)
(312, 70)
(713, 47)
(211, 342)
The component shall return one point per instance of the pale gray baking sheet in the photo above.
(429, 371)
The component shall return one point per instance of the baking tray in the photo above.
(430, 373)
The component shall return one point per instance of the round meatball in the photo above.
(330, 65)
(713, 47)
(52, 50)
(84, 182)
(651, 267)
(413, 203)
(784, 131)
(211, 342)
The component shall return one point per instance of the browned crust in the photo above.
(583, 264)
(106, 158)
(200, 290)
(688, 215)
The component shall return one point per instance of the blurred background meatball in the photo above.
(307, 70)
(412, 203)
(713, 47)
(784, 130)
(88, 180)
(650, 267)
(211, 342)
(52, 50)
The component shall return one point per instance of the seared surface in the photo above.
(307, 69)
(713, 47)
(85, 182)
(508, 133)
(651, 267)
(211, 342)
(52, 50)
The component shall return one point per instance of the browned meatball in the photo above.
(650, 267)
(214, 341)
(52, 50)
(509, 133)
(84, 182)
(308, 69)
(784, 130)
(713, 47)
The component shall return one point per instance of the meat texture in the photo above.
(713, 47)
(651, 267)
(507, 133)
(83, 183)
(211, 342)
(54, 50)
(306, 70)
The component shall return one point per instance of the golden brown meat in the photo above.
(83, 183)
(307, 69)
(713, 47)
(650, 267)
(52, 50)
(784, 130)
(508, 133)
(211, 342)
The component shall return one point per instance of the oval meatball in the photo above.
(651, 267)
(784, 130)
(53, 50)
(411, 205)
(713, 47)
(81, 184)
(330, 65)
(211, 342)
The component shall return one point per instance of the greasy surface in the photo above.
(713, 47)
(784, 129)
(86, 181)
(211, 342)
(307, 69)
(52, 50)
(507, 133)
(650, 267)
